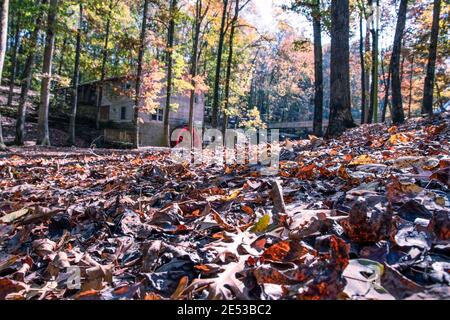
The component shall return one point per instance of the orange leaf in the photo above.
(363, 159)
(248, 210)
(399, 138)
(343, 174)
(152, 296)
(306, 172)
(348, 158)
(278, 251)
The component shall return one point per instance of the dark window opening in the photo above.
(123, 113)
(158, 115)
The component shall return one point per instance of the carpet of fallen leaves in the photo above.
(365, 216)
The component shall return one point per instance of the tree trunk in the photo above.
(76, 81)
(194, 66)
(367, 49)
(15, 49)
(27, 77)
(402, 65)
(62, 57)
(170, 41)
(340, 102)
(363, 69)
(398, 115)
(411, 74)
(43, 130)
(216, 102)
(104, 61)
(318, 71)
(137, 102)
(427, 104)
(438, 95)
(229, 66)
(387, 85)
(3, 39)
(373, 112)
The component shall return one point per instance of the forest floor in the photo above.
(366, 216)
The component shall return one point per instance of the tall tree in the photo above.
(169, 58)
(198, 20)
(318, 70)
(76, 79)
(3, 38)
(27, 77)
(374, 29)
(138, 97)
(427, 104)
(367, 73)
(313, 8)
(411, 75)
(387, 86)
(104, 61)
(398, 115)
(216, 98)
(43, 129)
(229, 67)
(62, 54)
(362, 57)
(340, 102)
(15, 50)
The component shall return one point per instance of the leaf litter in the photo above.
(365, 216)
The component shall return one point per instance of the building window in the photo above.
(158, 115)
(196, 98)
(123, 113)
(104, 113)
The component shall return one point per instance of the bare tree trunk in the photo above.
(402, 65)
(367, 49)
(43, 130)
(15, 49)
(398, 115)
(27, 77)
(411, 75)
(76, 81)
(340, 102)
(373, 111)
(138, 99)
(363, 68)
(216, 102)
(62, 55)
(3, 39)
(438, 96)
(104, 61)
(387, 85)
(194, 66)
(427, 104)
(229, 66)
(318, 71)
(170, 42)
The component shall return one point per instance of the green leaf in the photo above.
(262, 224)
